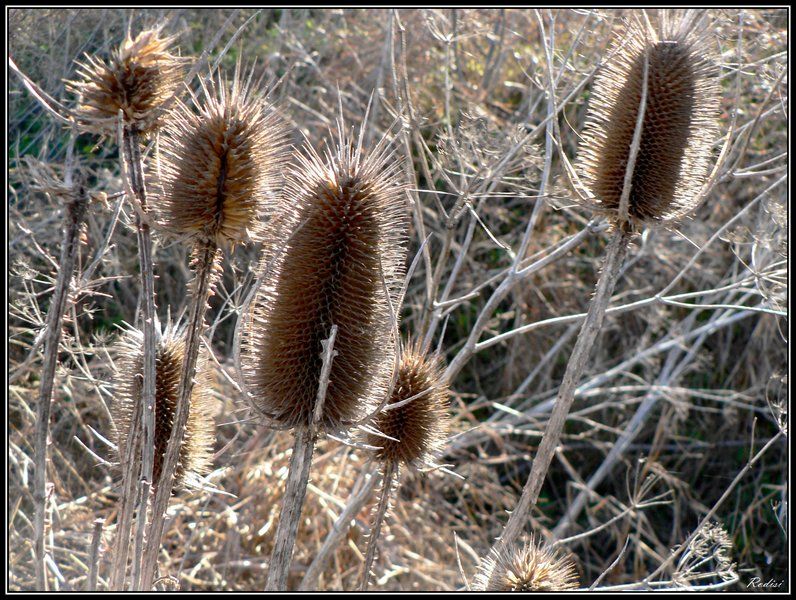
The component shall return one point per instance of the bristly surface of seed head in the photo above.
(534, 567)
(195, 455)
(421, 425)
(335, 255)
(680, 121)
(138, 78)
(220, 166)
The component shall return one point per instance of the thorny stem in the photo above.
(75, 213)
(297, 479)
(615, 253)
(389, 472)
(205, 257)
(132, 169)
(336, 533)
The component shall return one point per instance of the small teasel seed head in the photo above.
(679, 126)
(421, 425)
(195, 455)
(220, 164)
(334, 255)
(534, 567)
(139, 77)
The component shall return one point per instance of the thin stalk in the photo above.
(93, 556)
(205, 256)
(615, 254)
(381, 511)
(73, 218)
(337, 533)
(133, 172)
(297, 479)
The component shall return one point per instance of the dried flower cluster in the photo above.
(678, 128)
(220, 165)
(420, 426)
(337, 253)
(197, 445)
(534, 567)
(139, 77)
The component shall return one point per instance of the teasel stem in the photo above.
(206, 255)
(614, 257)
(76, 206)
(297, 479)
(133, 172)
(390, 470)
(340, 527)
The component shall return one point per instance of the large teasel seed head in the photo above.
(195, 455)
(421, 425)
(139, 77)
(334, 255)
(680, 121)
(220, 164)
(534, 567)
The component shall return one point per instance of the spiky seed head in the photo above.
(195, 455)
(421, 425)
(680, 121)
(334, 256)
(138, 78)
(533, 567)
(220, 165)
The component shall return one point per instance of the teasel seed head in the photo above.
(680, 121)
(220, 164)
(335, 255)
(534, 567)
(139, 77)
(421, 425)
(195, 455)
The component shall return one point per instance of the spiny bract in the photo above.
(534, 567)
(335, 256)
(140, 76)
(680, 121)
(220, 166)
(421, 425)
(196, 451)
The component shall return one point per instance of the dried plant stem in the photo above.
(75, 213)
(297, 479)
(132, 169)
(615, 253)
(341, 525)
(205, 256)
(381, 511)
(93, 556)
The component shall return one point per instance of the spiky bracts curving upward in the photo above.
(197, 445)
(138, 78)
(336, 256)
(534, 567)
(680, 121)
(417, 412)
(220, 165)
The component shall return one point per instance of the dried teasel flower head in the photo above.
(417, 412)
(534, 567)
(334, 255)
(679, 126)
(196, 451)
(139, 77)
(220, 165)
